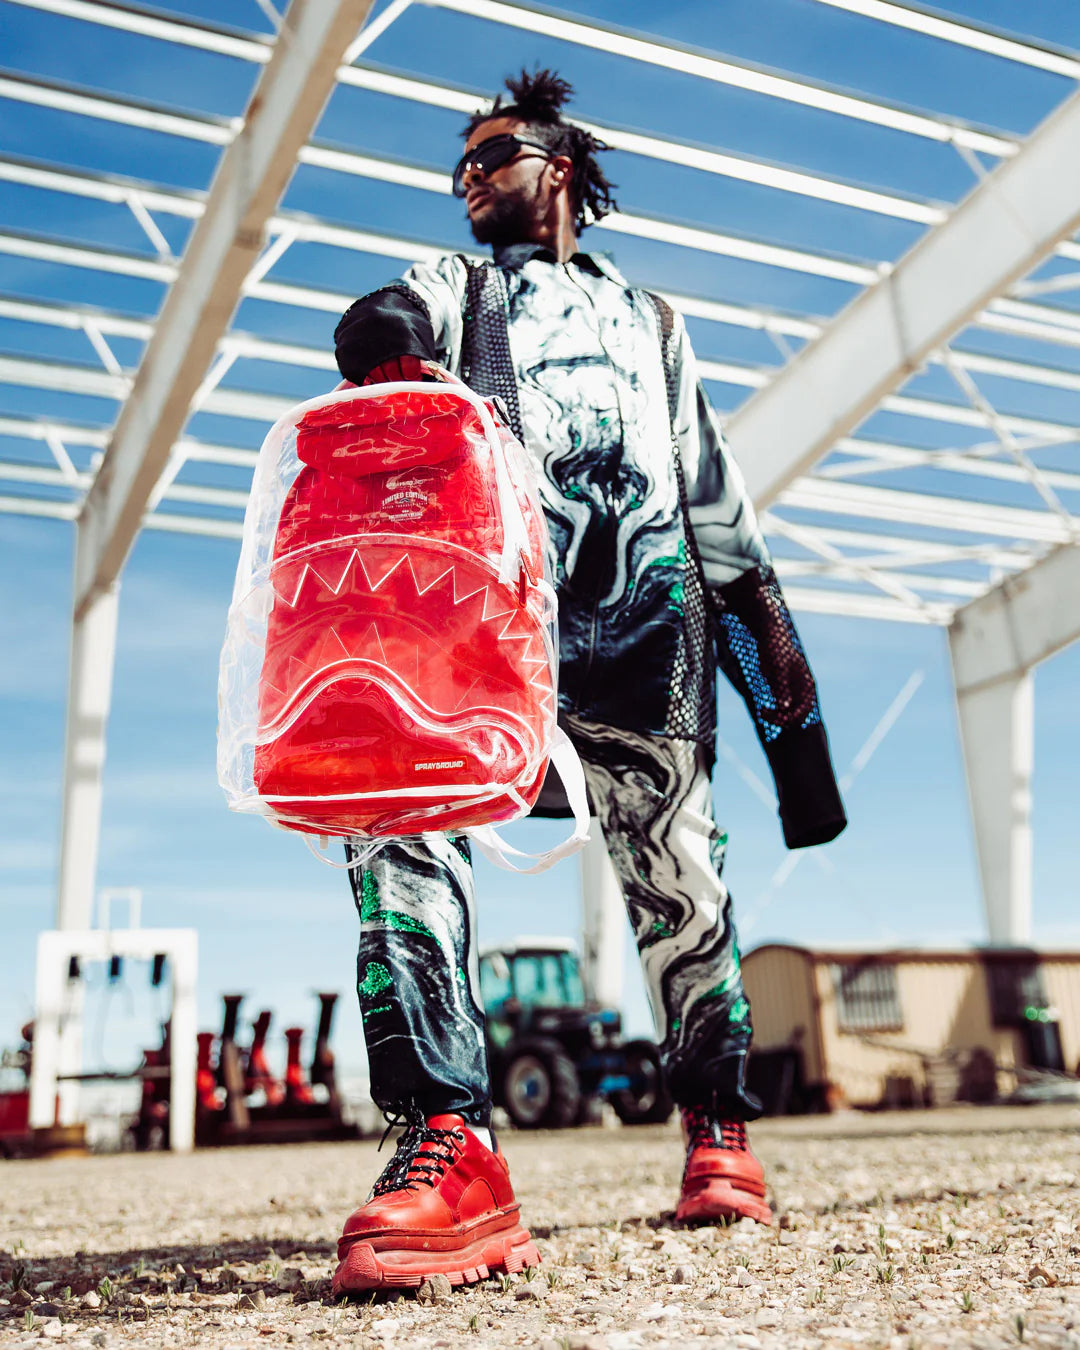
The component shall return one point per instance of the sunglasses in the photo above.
(490, 155)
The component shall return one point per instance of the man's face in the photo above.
(508, 205)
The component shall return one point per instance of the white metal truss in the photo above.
(918, 457)
(1008, 224)
(619, 42)
(1040, 56)
(872, 456)
(814, 525)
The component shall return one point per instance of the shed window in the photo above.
(867, 997)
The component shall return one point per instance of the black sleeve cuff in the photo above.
(390, 322)
(811, 811)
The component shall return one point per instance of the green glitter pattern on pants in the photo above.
(371, 912)
(377, 980)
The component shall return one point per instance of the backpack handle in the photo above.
(567, 765)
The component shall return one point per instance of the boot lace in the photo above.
(705, 1130)
(422, 1157)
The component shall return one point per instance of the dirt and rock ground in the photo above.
(955, 1228)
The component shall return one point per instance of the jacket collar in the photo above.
(515, 256)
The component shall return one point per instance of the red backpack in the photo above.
(390, 662)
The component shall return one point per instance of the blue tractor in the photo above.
(555, 1056)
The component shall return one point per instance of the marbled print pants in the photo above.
(417, 970)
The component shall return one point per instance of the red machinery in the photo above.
(15, 1134)
(239, 1099)
(257, 1075)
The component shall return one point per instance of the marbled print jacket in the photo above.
(659, 564)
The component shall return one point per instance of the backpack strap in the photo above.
(564, 759)
(691, 710)
(665, 318)
(486, 363)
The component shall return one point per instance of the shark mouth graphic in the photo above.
(400, 667)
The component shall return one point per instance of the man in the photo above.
(661, 573)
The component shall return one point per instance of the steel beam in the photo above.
(549, 24)
(995, 643)
(1022, 621)
(997, 737)
(93, 643)
(247, 187)
(975, 36)
(1002, 230)
(722, 70)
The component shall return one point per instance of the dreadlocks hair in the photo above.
(537, 100)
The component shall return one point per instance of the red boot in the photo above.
(443, 1206)
(722, 1180)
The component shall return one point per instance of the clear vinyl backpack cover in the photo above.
(389, 665)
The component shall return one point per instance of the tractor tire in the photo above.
(540, 1088)
(647, 1101)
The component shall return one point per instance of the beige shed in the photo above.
(907, 1027)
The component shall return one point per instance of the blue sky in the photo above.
(274, 922)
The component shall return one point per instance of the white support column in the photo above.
(997, 735)
(51, 997)
(183, 1039)
(93, 646)
(995, 643)
(604, 917)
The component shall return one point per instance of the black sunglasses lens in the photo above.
(487, 157)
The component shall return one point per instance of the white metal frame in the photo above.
(995, 643)
(844, 544)
(58, 1016)
(1010, 222)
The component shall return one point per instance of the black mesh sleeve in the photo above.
(392, 321)
(760, 653)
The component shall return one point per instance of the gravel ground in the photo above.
(954, 1228)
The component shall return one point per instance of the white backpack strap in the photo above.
(365, 849)
(567, 765)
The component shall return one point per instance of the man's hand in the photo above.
(400, 369)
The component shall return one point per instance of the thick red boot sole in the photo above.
(719, 1200)
(365, 1267)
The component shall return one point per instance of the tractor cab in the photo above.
(536, 986)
